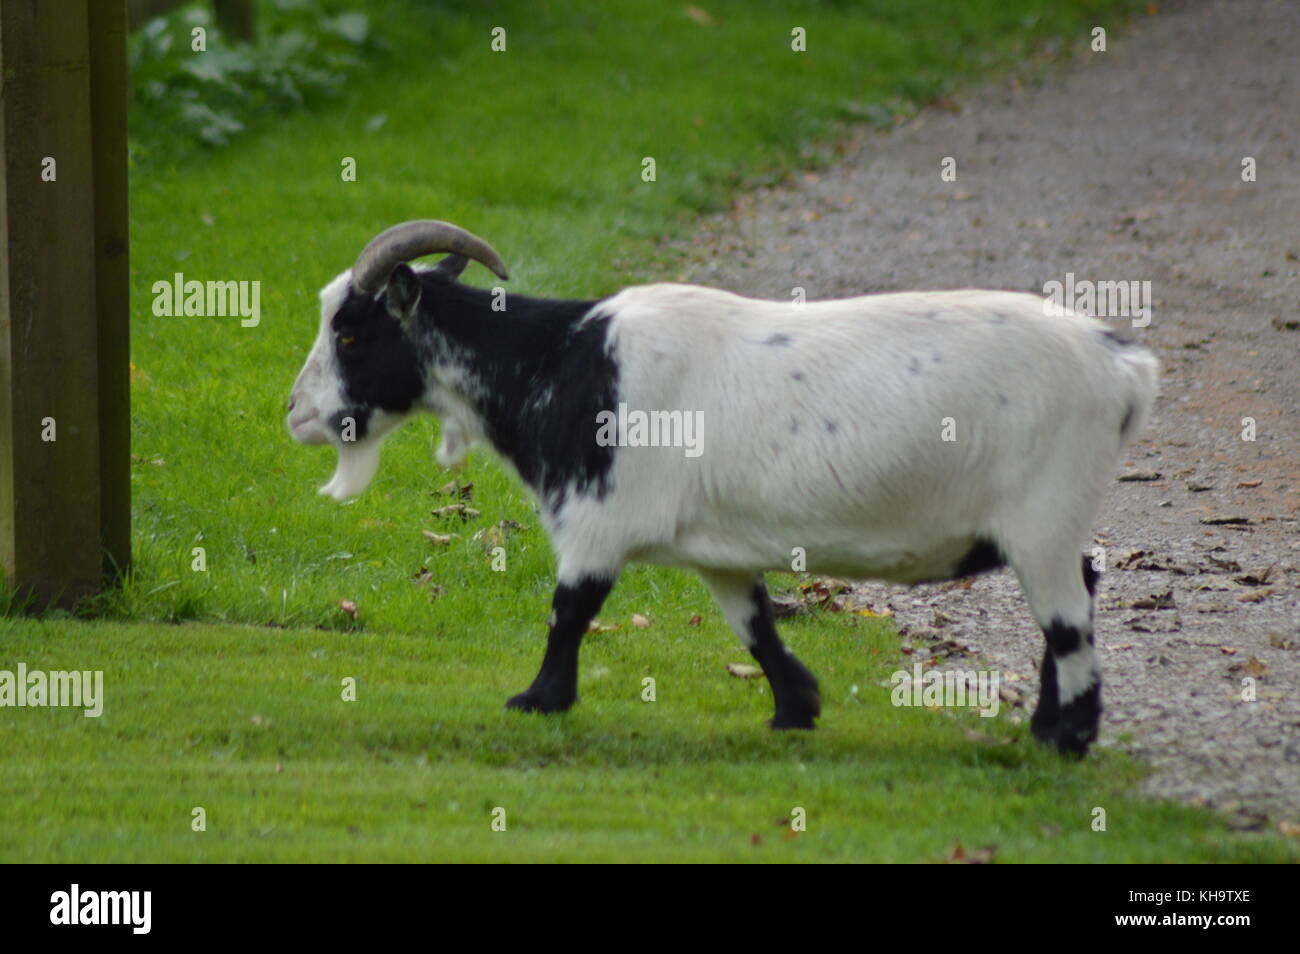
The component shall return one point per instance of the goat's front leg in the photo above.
(744, 601)
(556, 687)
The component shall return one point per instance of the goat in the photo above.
(911, 437)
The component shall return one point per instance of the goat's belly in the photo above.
(837, 551)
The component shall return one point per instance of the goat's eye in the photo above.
(346, 339)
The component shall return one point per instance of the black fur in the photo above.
(1071, 726)
(514, 359)
(1124, 425)
(982, 557)
(794, 688)
(1090, 575)
(555, 688)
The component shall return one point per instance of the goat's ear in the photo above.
(452, 266)
(402, 296)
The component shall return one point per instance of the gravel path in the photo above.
(1120, 165)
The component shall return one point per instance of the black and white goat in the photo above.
(907, 437)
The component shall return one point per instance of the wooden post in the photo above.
(64, 483)
(109, 96)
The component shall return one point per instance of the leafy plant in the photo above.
(185, 97)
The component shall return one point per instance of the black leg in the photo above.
(556, 687)
(1048, 714)
(794, 688)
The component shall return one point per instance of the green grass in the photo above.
(249, 724)
(539, 149)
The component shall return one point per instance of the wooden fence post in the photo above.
(64, 306)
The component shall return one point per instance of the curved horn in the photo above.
(411, 240)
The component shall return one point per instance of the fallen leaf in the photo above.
(1156, 601)
(701, 16)
(349, 607)
(438, 539)
(596, 626)
(640, 622)
(695, 620)
(1249, 483)
(1258, 578)
(980, 856)
(1255, 596)
(1290, 829)
(456, 509)
(1251, 667)
(457, 489)
(744, 671)
(1139, 475)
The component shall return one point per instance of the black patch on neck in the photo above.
(538, 377)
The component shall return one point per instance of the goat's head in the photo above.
(367, 370)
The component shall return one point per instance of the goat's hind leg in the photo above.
(1060, 593)
(744, 601)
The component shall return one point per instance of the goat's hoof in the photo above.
(1075, 725)
(531, 701)
(1044, 725)
(794, 720)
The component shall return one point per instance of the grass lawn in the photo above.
(249, 724)
(239, 711)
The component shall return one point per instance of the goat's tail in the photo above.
(1140, 374)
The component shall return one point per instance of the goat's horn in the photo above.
(411, 240)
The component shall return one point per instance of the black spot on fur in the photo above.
(797, 375)
(778, 340)
(1062, 638)
(914, 366)
(831, 426)
(1090, 575)
(982, 557)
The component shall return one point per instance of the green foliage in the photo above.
(181, 97)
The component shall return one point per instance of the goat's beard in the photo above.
(357, 464)
(358, 460)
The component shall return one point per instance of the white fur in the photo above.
(1037, 404)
